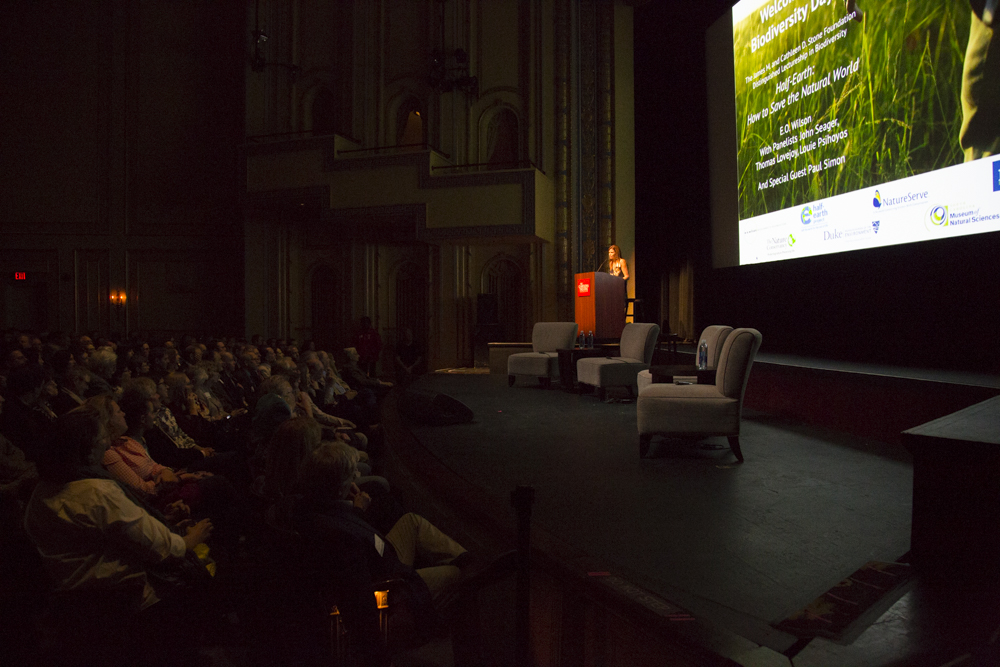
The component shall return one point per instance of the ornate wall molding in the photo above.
(563, 161)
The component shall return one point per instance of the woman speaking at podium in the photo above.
(618, 267)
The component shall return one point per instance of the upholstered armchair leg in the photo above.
(510, 380)
(644, 440)
(546, 382)
(601, 393)
(734, 444)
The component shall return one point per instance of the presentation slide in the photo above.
(853, 130)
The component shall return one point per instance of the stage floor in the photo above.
(742, 545)
(965, 378)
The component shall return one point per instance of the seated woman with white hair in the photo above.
(102, 364)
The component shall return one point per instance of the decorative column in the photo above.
(464, 306)
(564, 236)
(606, 125)
(589, 177)
(597, 130)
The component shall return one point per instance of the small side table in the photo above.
(569, 357)
(666, 374)
(670, 341)
(666, 349)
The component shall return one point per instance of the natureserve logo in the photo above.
(936, 218)
(910, 198)
(996, 176)
(814, 215)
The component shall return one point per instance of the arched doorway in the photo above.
(502, 141)
(410, 124)
(504, 278)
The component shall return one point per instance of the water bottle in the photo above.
(582, 340)
(703, 355)
(590, 340)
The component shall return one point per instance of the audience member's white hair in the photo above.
(330, 467)
(103, 361)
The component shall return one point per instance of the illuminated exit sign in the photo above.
(20, 275)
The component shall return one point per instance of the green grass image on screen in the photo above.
(901, 109)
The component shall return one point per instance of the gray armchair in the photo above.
(636, 352)
(714, 335)
(543, 360)
(694, 410)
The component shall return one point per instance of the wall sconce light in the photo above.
(117, 299)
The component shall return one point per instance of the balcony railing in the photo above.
(490, 166)
(395, 148)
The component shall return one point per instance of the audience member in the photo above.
(127, 459)
(17, 475)
(101, 549)
(359, 377)
(160, 447)
(368, 345)
(346, 555)
(72, 382)
(233, 392)
(26, 417)
(194, 418)
(167, 442)
(138, 365)
(202, 377)
(165, 361)
(274, 407)
(292, 441)
(409, 357)
(102, 364)
(192, 355)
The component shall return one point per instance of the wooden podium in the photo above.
(600, 304)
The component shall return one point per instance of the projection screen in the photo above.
(857, 125)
